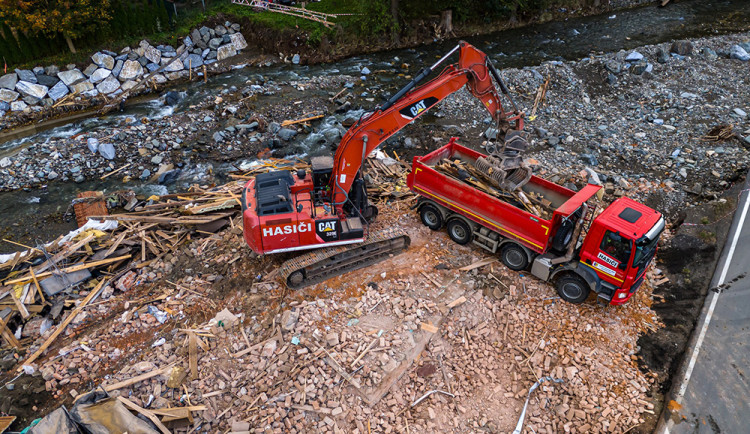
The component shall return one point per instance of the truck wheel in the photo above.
(431, 217)
(572, 289)
(459, 231)
(514, 257)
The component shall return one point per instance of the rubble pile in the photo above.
(201, 337)
(111, 74)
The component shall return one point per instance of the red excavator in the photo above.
(328, 208)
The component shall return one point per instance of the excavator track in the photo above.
(323, 264)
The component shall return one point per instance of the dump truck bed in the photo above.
(497, 214)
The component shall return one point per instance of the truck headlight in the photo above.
(622, 295)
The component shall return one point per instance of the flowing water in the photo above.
(571, 39)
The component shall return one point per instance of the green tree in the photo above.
(10, 50)
(71, 18)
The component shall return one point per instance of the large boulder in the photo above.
(99, 75)
(90, 70)
(158, 78)
(46, 80)
(225, 52)
(82, 86)
(8, 81)
(198, 39)
(238, 41)
(193, 61)
(214, 43)
(128, 85)
(173, 66)
(107, 150)
(736, 52)
(18, 106)
(26, 75)
(70, 77)
(103, 60)
(58, 91)
(31, 89)
(131, 69)
(8, 95)
(109, 85)
(118, 67)
(152, 54)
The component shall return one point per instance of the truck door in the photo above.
(610, 258)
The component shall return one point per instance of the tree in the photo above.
(72, 18)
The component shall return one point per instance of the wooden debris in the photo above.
(138, 379)
(61, 327)
(149, 414)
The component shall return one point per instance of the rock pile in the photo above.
(111, 73)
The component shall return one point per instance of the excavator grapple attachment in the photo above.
(505, 166)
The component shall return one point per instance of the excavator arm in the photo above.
(472, 70)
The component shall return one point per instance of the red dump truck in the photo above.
(580, 253)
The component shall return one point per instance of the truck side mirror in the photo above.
(299, 207)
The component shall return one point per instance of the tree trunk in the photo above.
(70, 43)
(394, 15)
(446, 22)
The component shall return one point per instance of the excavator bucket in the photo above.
(505, 166)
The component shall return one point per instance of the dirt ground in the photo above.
(354, 354)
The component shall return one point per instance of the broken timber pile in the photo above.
(386, 179)
(532, 202)
(106, 255)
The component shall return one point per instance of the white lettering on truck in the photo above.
(607, 259)
(287, 229)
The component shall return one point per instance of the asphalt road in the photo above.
(713, 394)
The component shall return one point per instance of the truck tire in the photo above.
(431, 217)
(563, 236)
(459, 231)
(573, 289)
(514, 257)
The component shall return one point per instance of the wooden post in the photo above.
(190, 67)
(205, 74)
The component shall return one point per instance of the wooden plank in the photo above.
(20, 306)
(150, 415)
(193, 355)
(70, 269)
(64, 324)
(456, 302)
(36, 284)
(478, 264)
(138, 379)
(428, 327)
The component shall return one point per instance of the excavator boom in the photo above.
(472, 70)
(284, 211)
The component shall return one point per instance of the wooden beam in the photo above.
(138, 379)
(78, 267)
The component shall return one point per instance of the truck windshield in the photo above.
(644, 251)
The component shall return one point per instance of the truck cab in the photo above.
(618, 248)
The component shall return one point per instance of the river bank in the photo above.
(270, 46)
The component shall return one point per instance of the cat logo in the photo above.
(328, 230)
(412, 111)
(327, 226)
